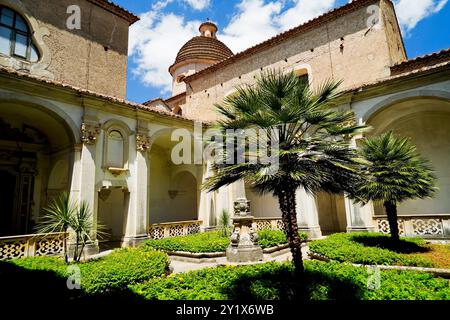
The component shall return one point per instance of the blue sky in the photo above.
(167, 24)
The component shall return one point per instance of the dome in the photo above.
(204, 47)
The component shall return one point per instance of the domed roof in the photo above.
(204, 47)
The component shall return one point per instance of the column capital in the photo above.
(89, 132)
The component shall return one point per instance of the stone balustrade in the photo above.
(32, 245)
(267, 223)
(173, 229)
(432, 226)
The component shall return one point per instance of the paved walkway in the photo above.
(180, 265)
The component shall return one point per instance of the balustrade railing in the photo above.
(32, 245)
(268, 223)
(173, 229)
(432, 226)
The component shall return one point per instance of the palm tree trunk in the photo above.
(287, 202)
(391, 212)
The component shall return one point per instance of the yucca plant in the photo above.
(397, 173)
(57, 217)
(313, 138)
(65, 215)
(225, 223)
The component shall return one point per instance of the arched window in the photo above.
(302, 74)
(15, 36)
(115, 153)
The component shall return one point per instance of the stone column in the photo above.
(86, 168)
(137, 221)
(307, 214)
(359, 218)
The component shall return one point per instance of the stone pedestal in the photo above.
(244, 239)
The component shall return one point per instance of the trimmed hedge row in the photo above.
(371, 249)
(275, 281)
(111, 273)
(214, 241)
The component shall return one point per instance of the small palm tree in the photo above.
(313, 140)
(64, 215)
(82, 225)
(58, 217)
(397, 173)
(225, 223)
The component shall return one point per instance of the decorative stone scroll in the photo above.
(89, 132)
(427, 227)
(383, 226)
(143, 142)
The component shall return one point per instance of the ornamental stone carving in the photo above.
(89, 132)
(143, 142)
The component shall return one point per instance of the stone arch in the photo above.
(39, 139)
(423, 116)
(388, 102)
(47, 107)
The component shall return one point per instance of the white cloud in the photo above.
(198, 4)
(411, 12)
(155, 40)
(254, 22)
(304, 10)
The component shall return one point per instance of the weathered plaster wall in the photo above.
(319, 50)
(94, 57)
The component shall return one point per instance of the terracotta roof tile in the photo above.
(201, 47)
(421, 62)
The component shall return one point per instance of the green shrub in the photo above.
(272, 238)
(199, 243)
(214, 241)
(53, 264)
(113, 272)
(121, 268)
(371, 249)
(273, 281)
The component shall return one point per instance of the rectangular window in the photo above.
(7, 17)
(5, 40)
(21, 45)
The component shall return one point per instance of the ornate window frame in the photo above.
(37, 38)
(124, 130)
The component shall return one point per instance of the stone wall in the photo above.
(344, 48)
(93, 58)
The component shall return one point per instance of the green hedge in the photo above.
(273, 281)
(371, 248)
(111, 273)
(121, 268)
(214, 241)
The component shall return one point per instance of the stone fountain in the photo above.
(244, 239)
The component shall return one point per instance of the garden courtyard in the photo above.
(146, 273)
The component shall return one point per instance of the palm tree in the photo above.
(397, 173)
(64, 215)
(313, 140)
(58, 216)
